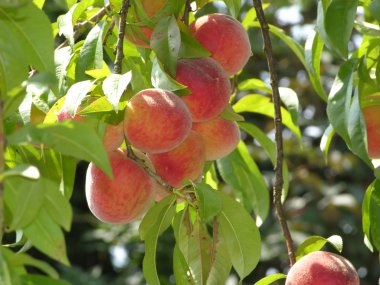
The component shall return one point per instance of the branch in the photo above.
(279, 180)
(185, 17)
(119, 46)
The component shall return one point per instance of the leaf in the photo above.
(190, 47)
(241, 236)
(59, 208)
(339, 100)
(366, 28)
(31, 27)
(47, 237)
(270, 279)
(69, 165)
(209, 201)
(71, 138)
(260, 104)
(23, 170)
(24, 199)
(313, 53)
(5, 277)
(181, 272)
(114, 87)
(66, 25)
(160, 79)
(254, 84)
(251, 16)
(366, 216)
(166, 42)
(339, 22)
(233, 6)
(290, 99)
(91, 54)
(149, 263)
(33, 279)
(229, 114)
(39, 3)
(315, 243)
(375, 214)
(76, 94)
(241, 172)
(374, 8)
(326, 140)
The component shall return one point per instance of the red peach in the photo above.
(185, 161)
(225, 38)
(322, 268)
(219, 137)
(156, 121)
(209, 85)
(125, 197)
(371, 111)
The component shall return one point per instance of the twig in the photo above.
(279, 180)
(109, 32)
(83, 26)
(119, 46)
(2, 144)
(185, 17)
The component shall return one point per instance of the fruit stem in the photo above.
(120, 40)
(279, 180)
(185, 17)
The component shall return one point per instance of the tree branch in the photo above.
(279, 180)
(119, 46)
(185, 17)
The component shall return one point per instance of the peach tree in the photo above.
(150, 93)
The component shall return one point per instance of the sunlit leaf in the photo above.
(114, 87)
(315, 243)
(270, 279)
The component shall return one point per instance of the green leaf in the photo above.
(33, 279)
(47, 237)
(39, 3)
(114, 87)
(240, 171)
(161, 224)
(241, 236)
(209, 201)
(326, 141)
(24, 199)
(366, 28)
(270, 279)
(5, 276)
(339, 22)
(71, 138)
(313, 53)
(190, 47)
(374, 8)
(160, 79)
(181, 269)
(366, 216)
(32, 29)
(339, 100)
(233, 6)
(166, 42)
(23, 170)
(375, 214)
(251, 16)
(91, 54)
(315, 243)
(254, 84)
(58, 207)
(69, 165)
(66, 25)
(260, 104)
(229, 114)
(76, 94)
(150, 218)
(290, 99)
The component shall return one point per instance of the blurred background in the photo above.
(324, 199)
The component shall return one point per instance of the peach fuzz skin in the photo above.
(372, 121)
(156, 121)
(225, 38)
(219, 137)
(113, 135)
(322, 268)
(185, 161)
(125, 197)
(209, 85)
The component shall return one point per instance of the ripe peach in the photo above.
(219, 137)
(209, 85)
(225, 38)
(371, 111)
(156, 121)
(113, 136)
(140, 35)
(125, 197)
(321, 268)
(185, 161)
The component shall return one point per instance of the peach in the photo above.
(209, 85)
(125, 197)
(219, 137)
(156, 121)
(113, 135)
(185, 161)
(225, 38)
(371, 109)
(321, 268)
(140, 35)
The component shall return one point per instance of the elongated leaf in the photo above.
(241, 236)
(114, 87)
(68, 165)
(47, 237)
(375, 214)
(31, 27)
(366, 216)
(290, 99)
(66, 26)
(210, 203)
(270, 279)
(339, 22)
(160, 79)
(234, 7)
(76, 94)
(69, 137)
(149, 263)
(326, 141)
(315, 243)
(190, 47)
(59, 208)
(33, 279)
(181, 269)
(374, 8)
(339, 100)
(254, 84)
(166, 42)
(91, 54)
(5, 277)
(23, 170)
